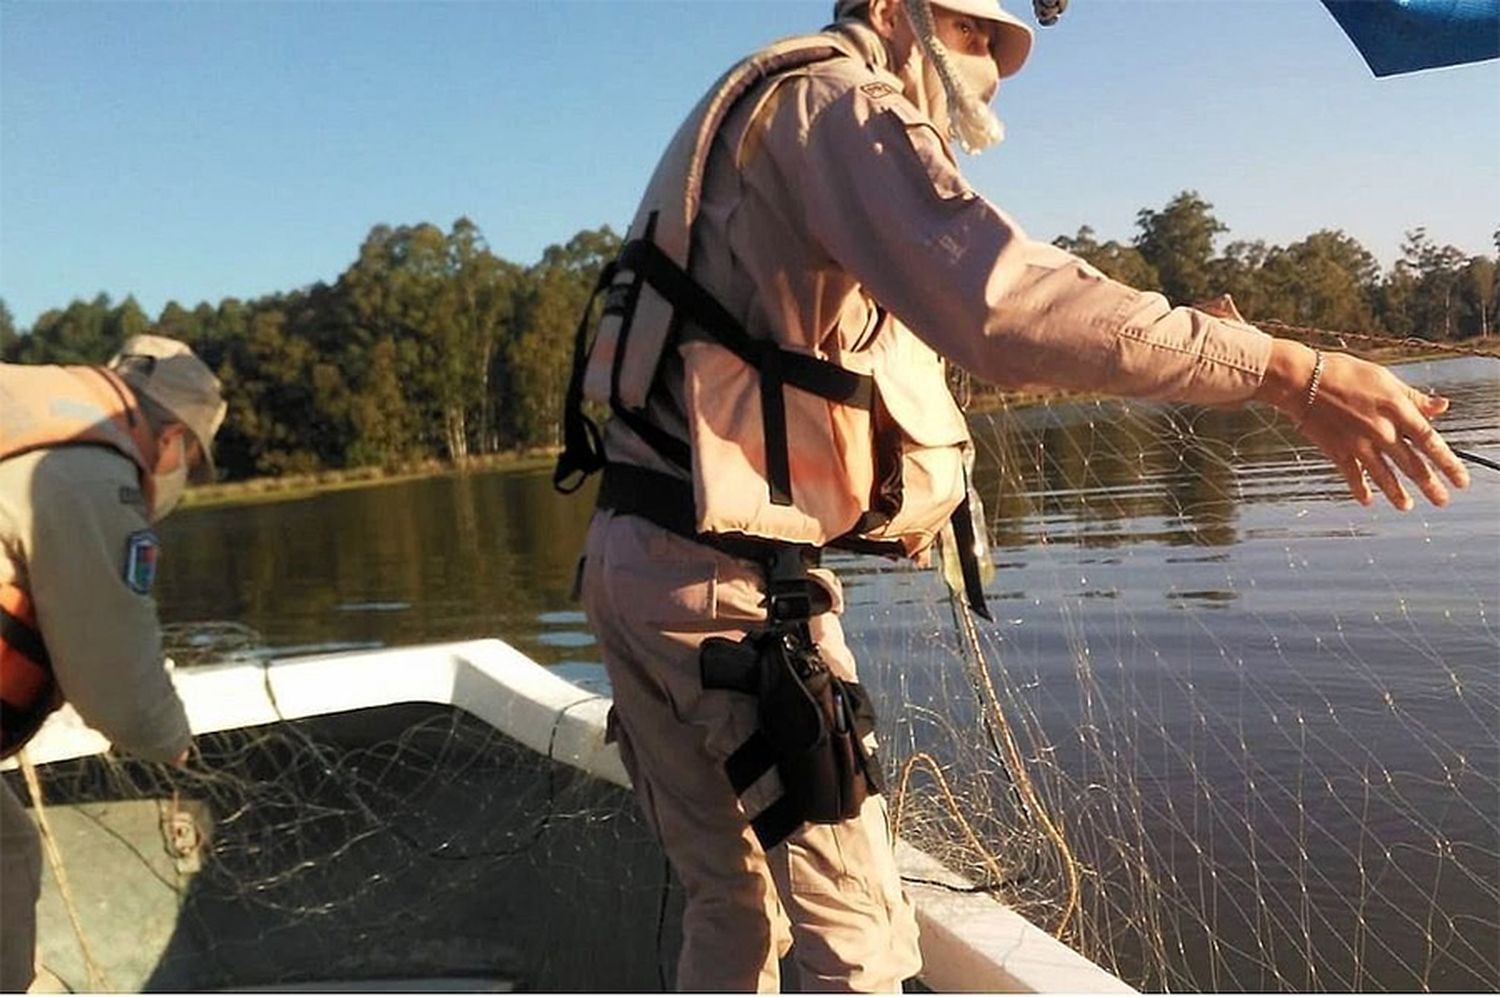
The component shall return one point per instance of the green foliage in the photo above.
(537, 360)
(1325, 280)
(1478, 297)
(1436, 274)
(1178, 243)
(9, 338)
(430, 346)
(1123, 263)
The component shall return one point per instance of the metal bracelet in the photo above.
(1312, 385)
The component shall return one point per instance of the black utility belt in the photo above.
(667, 501)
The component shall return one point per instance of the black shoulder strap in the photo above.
(583, 447)
(776, 367)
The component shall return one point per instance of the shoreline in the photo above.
(285, 488)
(297, 486)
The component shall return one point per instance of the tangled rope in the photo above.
(1016, 768)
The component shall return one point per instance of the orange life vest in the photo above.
(43, 407)
(28, 692)
(783, 443)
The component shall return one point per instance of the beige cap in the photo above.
(171, 375)
(1012, 37)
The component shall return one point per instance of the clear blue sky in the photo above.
(195, 151)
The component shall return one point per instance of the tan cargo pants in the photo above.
(20, 885)
(833, 890)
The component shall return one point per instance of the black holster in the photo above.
(812, 728)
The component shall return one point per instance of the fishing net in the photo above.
(388, 846)
(1226, 731)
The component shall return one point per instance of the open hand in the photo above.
(1367, 421)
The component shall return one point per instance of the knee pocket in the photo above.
(853, 859)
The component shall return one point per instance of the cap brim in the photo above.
(206, 472)
(1012, 38)
(1012, 46)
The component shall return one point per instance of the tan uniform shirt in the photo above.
(828, 191)
(66, 518)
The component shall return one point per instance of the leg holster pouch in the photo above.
(812, 731)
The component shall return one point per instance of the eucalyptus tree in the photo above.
(8, 336)
(1120, 262)
(1325, 280)
(1178, 242)
(444, 303)
(1436, 270)
(480, 297)
(539, 357)
(1479, 297)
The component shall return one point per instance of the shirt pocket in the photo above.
(928, 154)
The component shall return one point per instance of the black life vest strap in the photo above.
(583, 446)
(819, 377)
(668, 502)
(674, 450)
(19, 721)
(583, 451)
(777, 367)
(24, 638)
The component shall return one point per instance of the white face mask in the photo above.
(967, 82)
(170, 486)
(971, 86)
(978, 75)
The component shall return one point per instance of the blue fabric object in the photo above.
(1402, 36)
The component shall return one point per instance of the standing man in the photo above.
(90, 459)
(806, 256)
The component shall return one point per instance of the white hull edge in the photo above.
(970, 942)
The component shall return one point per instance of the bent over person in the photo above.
(90, 459)
(806, 257)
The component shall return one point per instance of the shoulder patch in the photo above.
(141, 552)
(877, 90)
(132, 496)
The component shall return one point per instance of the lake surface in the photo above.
(1269, 718)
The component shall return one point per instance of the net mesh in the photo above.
(404, 843)
(1227, 731)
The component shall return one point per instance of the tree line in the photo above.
(428, 346)
(431, 346)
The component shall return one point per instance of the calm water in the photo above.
(1263, 650)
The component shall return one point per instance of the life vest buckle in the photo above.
(789, 597)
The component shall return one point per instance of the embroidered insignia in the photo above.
(877, 90)
(132, 496)
(141, 552)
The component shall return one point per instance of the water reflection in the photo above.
(1111, 473)
(1172, 473)
(439, 559)
(494, 554)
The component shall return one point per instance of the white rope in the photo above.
(97, 980)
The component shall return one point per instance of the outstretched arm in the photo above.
(886, 201)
